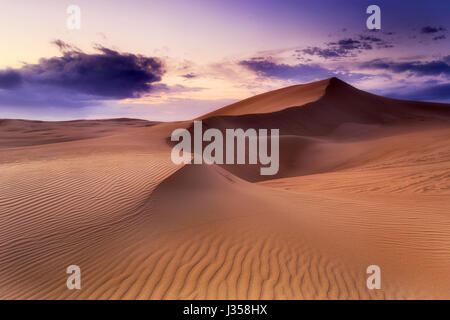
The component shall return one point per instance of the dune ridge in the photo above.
(275, 100)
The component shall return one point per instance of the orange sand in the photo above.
(363, 180)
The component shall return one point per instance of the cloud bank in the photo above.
(264, 67)
(418, 68)
(77, 78)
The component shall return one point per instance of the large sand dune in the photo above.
(363, 180)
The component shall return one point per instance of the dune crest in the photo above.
(275, 100)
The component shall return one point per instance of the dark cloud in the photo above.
(430, 29)
(349, 47)
(79, 76)
(370, 38)
(9, 79)
(64, 46)
(431, 68)
(108, 74)
(324, 53)
(189, 75)
(441, 37)
(439, 92)
(347, 44)
(300, 72)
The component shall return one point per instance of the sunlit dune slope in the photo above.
(274, 100)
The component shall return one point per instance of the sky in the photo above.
(176, 60)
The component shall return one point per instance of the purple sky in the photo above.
(174, 60)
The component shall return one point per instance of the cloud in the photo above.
(189, 75)
(324, 53)
(348, 47)
(370, 38)
(302, 72)
(64, 46)
(439, 92)
(341, 48)
(80, 77)
(441, 37)
(431, 68)
(430, 29)
(9, 79)
(299, 72)
(347, 44)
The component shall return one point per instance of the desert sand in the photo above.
(363, 180)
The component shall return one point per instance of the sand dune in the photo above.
(332, 131)
(274, 100)
(340, 110)
(15, 133)
(363, 180)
